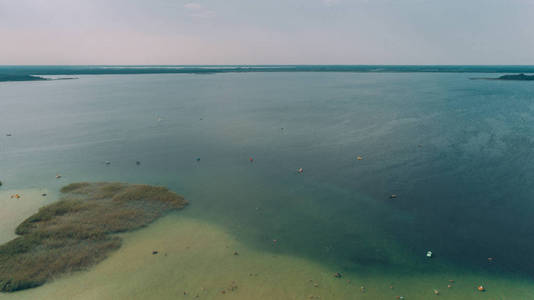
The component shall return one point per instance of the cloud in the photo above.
(196, 10)
(330, 2)
(193, 6)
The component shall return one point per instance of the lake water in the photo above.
(457, 153)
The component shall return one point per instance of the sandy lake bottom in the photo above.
(199, 260)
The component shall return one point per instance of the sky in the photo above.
(80, 32)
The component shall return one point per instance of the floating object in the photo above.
(58, 176)
(17, 196)
(8, 134)
(449, 286)
(490, 259)
(393, 196)
(316, 285)
(338, 275)
(451, 281)
(44, 195)
(429, 254)
(138, 163)
(359, 158)
(108, 162)
(481, 288)
(300, 170)
(235, 252)
(154, 252)
(436, 292)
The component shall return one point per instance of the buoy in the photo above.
(429, 254)
(481, 288)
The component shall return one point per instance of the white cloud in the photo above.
(196, 10)
(193, 6)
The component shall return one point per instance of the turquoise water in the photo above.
(456, 152)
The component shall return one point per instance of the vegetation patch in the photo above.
(78, 231)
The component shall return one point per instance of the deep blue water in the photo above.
(456, 152)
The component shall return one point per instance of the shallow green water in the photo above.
(456, 152)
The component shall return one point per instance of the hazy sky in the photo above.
(267, 32)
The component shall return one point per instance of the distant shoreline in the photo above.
(34, 73)
(10, 78)
(4, 78)
(514, 77)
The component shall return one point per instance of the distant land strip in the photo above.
(521, 77)
(26, 73)
(7, 77)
